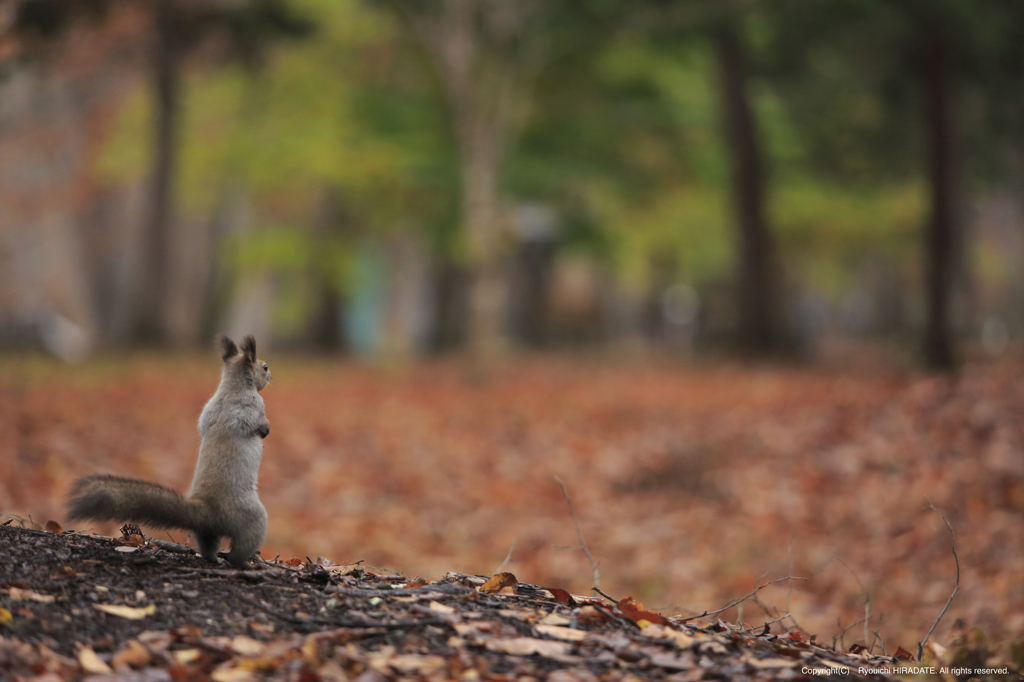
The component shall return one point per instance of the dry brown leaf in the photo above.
(131, 654)
(53, 527)
(412, 663)
(500, 582)
(677, 637)
(440, 608)
(18, 594)
(768, 663)
(91, 663)
(129, 612)
(186, 656)
(563, 633)
(247, 646)
(903, 655)
(590, 615)
(526, 646)
(232, 675)
(561, 596)
(636, 613)
(682, 661)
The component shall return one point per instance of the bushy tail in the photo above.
(115, 498)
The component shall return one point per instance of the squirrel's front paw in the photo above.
(263, 430)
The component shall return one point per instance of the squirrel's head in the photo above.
(245, 360)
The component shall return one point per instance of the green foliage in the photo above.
(351, 108)
(623, 134)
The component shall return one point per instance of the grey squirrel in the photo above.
(222, 501)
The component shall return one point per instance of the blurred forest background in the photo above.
(817, 181)
(391, 178)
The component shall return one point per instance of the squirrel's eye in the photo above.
(264, 366)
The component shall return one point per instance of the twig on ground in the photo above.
(171, 546)
(508, 558)
(867, 598)
(920, 647)
(771, 622)
(842, 635)
(443, 588)
(621, 621)
(878, 636)
(613, 600)
(579, 534)
(742, 599)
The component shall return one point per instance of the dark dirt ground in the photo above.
(319, 621)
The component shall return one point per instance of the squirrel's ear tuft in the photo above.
(249, 348)
(227, 346)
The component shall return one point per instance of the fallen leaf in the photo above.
(5, 616)
(683, 661)
(680, 639)
(54, 527)
(526, 646)
(590, 615)
(131, 654)
(856, 648)
(768, 663)
(559, 632)
(441, 608)
(129, 612)
(499, 582)
(247, 646)
(903, 655)
(561, 596)
(411, 663)
(518, 614)
(91, 663)
(232, 675)
(636, 613)
(186, 656)
(17, 594)
(311, 652)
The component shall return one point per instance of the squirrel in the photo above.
(223, 500)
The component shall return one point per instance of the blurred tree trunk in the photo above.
(483, 56)
(760, 324)
(326, 324)
(941, 238)
(148, 324)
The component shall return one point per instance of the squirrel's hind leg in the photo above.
(208, 543)
(248, 538)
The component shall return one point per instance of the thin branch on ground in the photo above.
(579, 534)
(743, 598)
(174, 547)
(952, 533)
(508, 558)
(878, 636)
(771, 622)
(842, 635)
(613, 600)
(867, 598)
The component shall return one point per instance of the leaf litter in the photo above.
(279, 622)
(688, 485)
